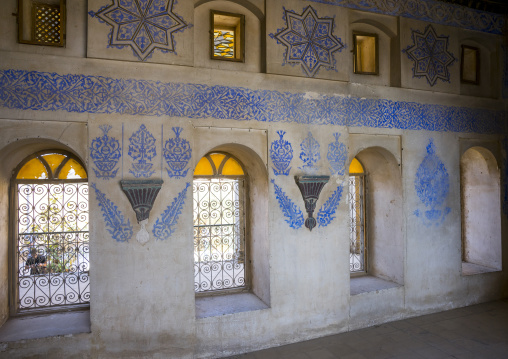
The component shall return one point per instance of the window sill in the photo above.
(472, 269)
(368, 283)
(47, 325)
(218, 305)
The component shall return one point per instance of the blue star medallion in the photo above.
(309, 41)
(430, 55)
(144, 25)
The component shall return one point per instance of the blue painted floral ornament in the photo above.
(336, 156)
(432, 185)
(177, 153)
(105, 151)
(310, 153)
(281, 153)
(142, 150)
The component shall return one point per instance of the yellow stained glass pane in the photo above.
(355, 166)
(54, 160)
(203, 168)
(232, 168)
(224, 43)
(72, 169)
(217, 159)
(33, 169)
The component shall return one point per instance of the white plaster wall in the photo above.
(143, 302)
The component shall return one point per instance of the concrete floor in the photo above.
(479, 331)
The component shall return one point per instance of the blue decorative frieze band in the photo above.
(33, 90)
(165, 225)
(429, 10)
(120, 229)
(432, 185)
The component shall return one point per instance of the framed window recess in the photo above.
(365, 53)
(227, 36)
(41, 22)
(470, 65)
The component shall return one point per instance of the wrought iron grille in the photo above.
(356, 202)
(46, 23)
(219, 241)
(52, 245)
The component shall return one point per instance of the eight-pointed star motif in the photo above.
(309, 41)
(430, 55)
(142, 24)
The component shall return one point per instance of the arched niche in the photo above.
(253, 35)
(383, 214)
(257, 214)
(480, 210)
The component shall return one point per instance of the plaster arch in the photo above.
(11, 155)
(384, 214)
(245, 3)
(257, 214)
(480, 208)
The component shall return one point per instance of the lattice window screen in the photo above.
(46, 23)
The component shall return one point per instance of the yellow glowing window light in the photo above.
(51, 165)
(355, 166)
(218, 164)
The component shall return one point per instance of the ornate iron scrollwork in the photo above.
(310, 187)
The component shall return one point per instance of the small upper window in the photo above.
(227, 36)
(41, 22)
(470, 65)
(365, 53)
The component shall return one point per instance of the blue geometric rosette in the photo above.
(142, 150)
(105, 151)
(336, 156)
(281, 154)
(432, 185)
(142, 25)
(309, 41)
(177, 154)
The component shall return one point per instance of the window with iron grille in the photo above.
(41, 22)
(51, 251)
(219, 224)
(356, 200)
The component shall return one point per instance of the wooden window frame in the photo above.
(21, 22)
(239, 45)
(477, 51)
(375, 36)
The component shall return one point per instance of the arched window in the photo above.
(481, 213)
(219, 224)
(51, 262)
(357, 241)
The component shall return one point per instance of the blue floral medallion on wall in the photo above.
(281, 153)
(309, 40)
(177, 153)
(166, 223)
(292, 213)
(142, 150)
(105, 151)
(144, 25)
(432, 185)
(336, 156)
(430, 55)
(310, 153)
